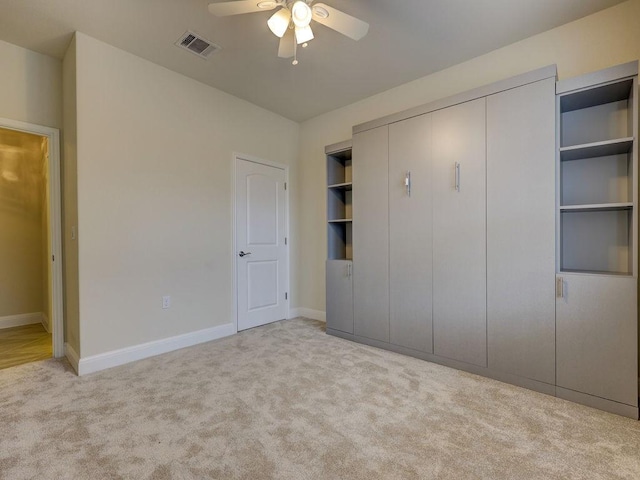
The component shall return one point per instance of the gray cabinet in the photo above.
(596, 308)
(521, 231)
(411, 234)
(459, 232)
(339, 295)
(371, 234)
(596, 321)
(496, 232)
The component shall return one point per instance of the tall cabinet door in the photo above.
(371, 233)
(521, 231)
(411, 235)
(459, 233)
(597, 330)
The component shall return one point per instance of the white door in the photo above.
(260, 248)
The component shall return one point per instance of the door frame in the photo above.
(234, 261)
(55, 224)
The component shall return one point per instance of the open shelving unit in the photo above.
(597, 208)
(339, 202)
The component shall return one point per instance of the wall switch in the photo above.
(166, 301)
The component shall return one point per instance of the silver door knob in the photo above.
(243, 254)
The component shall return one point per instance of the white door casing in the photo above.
(55, 225)
(260, 243)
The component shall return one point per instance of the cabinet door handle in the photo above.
(559, 287)
(348, 269)
(457, 168)
(407, 183)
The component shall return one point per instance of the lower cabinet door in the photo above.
(340, 295)
(596, 334)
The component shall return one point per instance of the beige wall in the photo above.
(21, 239)
(154, 171)
(598, 41)
(30, 86)
(70, 200)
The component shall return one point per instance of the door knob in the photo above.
(243, 254)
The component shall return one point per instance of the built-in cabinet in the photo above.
(371, 234)
(339, 266)
(472, 238)
(597, 303)
(521, 231)
(459, 228)
(411, 234)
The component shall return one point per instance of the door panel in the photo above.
(411, 237)
(521, 231)
(371, 233)
(597, 337)
(459, 233)
(339, 295)
(260, 235)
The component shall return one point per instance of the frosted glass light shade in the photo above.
(301, 13)
(303, 34)
(279, 22)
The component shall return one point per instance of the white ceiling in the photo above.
(408, 39)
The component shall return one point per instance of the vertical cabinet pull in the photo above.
(559, 287)
(349, 269)
(457, 168)
(407, 183)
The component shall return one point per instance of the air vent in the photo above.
(197, 45)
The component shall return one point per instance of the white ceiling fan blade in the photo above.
(340, 21)
(224, 9)
(287, 45)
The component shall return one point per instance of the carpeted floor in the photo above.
(286, 401)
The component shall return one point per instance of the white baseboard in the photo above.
(102, 361)
(45, 323)
(308, 313)
(72, 356)
(20, 320)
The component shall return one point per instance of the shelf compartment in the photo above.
(339, 168)
(339, 204)
(597, 149)
(597, 239)
(597, 180)
(597, 115)
(339, 240)
(592, 97)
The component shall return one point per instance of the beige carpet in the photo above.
(287, 401)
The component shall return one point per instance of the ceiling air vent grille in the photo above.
(197, 45)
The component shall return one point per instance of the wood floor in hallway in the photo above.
(24, 344)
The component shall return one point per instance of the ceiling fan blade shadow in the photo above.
(224, 9)
(287, 45)
(339, 21)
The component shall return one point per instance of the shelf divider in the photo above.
(606, 148)
(597, 207)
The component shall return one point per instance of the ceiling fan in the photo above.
(291, 23)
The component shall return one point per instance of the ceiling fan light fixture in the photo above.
(304, 34)
(301, 13)
(279, 22)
